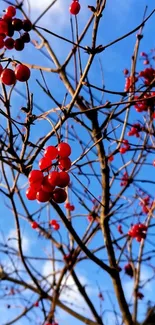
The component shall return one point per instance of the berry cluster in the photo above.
(146, 103)
(54, 224)
(126, 147)
(135, 130)
(74, 7)
(9, 77)
(69, 206)
(145, 55)
(148, 74)
(129, 82)
(138, 231)
(146, 204)
(51, 186)
(124, 179)
(8, 25)
(128, 269)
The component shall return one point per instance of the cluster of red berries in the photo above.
(124, 179)
(9, 77)
(148, 74)
(138, 231)
(146, 103)
(74, 7)
(69, 206)
(128, 269)
(135, 130)
(8, 25)
(146, 204)
(44, 187)
(129, 82)
(55, 225)
(145, 55)
(126, 147)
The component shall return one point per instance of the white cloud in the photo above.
(13, 242)
(57, 15)
(70, 293)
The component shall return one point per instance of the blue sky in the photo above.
(119, 18)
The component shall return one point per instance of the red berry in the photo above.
(64, 164)
(154, 163)
(7, 18)
(25, 38)
(143, 54)
(90, 218)
(3, 27)
(67, 257)
(72, 207)
(36, 304)
(43, 196)
(17, 24)
(35, 176)
(11, 11)
(64, 149)
(53, 222)
(128, 269)
(59, 195)
(45, 164)
(34, 224)
(64, 179)
(122, 150)
(8, 77)
(74, 8)
(119, 228)
(51, 152)
(9, 43)
(67, 205)
(19, 44)
(36, 186)
(22, 72)
(53, 178)
(56, 226)
(146, 62)
(126, 72)
(46, 186)
(111, 158)
(31, 193)
(27, 26)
